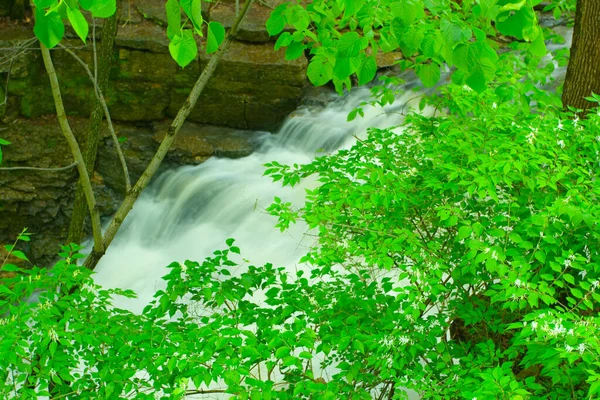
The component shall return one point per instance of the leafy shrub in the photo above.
(456, 255)
(490, 215)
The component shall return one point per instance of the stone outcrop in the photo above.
(254, 88)
(42, 200)
(146, 84)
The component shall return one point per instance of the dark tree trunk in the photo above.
(583, 72)
(105, 54)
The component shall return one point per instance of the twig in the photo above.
(191, 392)
(111, 128)
(39, 168)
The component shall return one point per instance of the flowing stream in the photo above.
(189, 212)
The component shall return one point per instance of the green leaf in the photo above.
(320, 70)
(352, 7)
(276, 22)
(538, 46)
(466, 56)
(3, 143)
(429, 74)
(20, 255)
(343, 68)
(79, 23)
(284, 40)
(49, 29)
(195, 14)
(477, 81)
(349, 45)
(44, 3)
(100, 8)
(295, 50)
(358, 345)
(183, 49)
(513, 23)
(216, 35)
(431, 45)
(454, 33)
(282, 352)
(407, 11)
(366, 70)
(173, 18)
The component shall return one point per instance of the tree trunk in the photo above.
(75, 150)
(80, 212)
(583, 72)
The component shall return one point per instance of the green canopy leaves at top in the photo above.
(427, 34)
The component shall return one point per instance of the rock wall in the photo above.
(254, 88)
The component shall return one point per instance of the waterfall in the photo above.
(189, 212)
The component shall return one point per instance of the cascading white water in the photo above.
(189, 212)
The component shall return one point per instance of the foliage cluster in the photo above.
(51, 14)
(345, 36)
(457, 255)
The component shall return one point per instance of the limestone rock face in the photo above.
(254, 88)
(42, 200)
(38, 200)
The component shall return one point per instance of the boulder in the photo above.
(195, 143)
(38, 200)
(135, 65)
(137, 101)
(242, 105)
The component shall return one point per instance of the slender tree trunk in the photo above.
(583, 72)
(75, 150)
(183, 113)
(80, 212)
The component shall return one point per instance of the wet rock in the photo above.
(129, 13)
(154, 11)
(240, 105)
(137, 65)
(253, 28)
(195, 143)
(259, 63)
(138, 148)
(143, 36)
(213, 107)
(137, 101)
(38, 200)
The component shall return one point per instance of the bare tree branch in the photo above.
(39, 168)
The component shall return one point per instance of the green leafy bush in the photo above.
(457, 255)
(490, 216)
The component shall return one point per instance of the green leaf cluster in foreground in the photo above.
(51, 14)
(457, 256)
